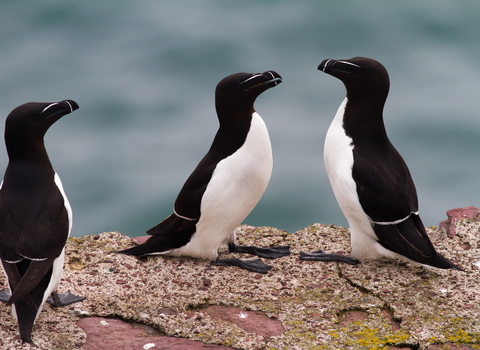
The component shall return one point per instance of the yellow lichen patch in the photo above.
(373, 339)
(463, 337)
(76, 264)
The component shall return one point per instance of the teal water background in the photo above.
(144, 74)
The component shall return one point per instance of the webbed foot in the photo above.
(320, 255)
(64, 299)
(255, 265)
(5, 295)
(267, 253)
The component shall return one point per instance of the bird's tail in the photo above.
(409, 239)
(161, 244)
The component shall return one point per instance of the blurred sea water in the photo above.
(144, 75)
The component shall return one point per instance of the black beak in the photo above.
(326, 64)
(273, 78)
(70, 103)
(331, 66)
(60, 108)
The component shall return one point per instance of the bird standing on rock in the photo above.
(226, 185)
(35, 215)
(369, 177)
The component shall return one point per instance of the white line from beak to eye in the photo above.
(253, 77)
(50, 105)
(352, 64)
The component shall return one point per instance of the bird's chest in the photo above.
(338, 150)
(242, 177)
(252, 162)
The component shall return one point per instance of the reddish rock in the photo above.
(353, 316)
(250, 321)
(393, 323)
(453, 215)
(466, 246)
(106, 333)
(141, 239)
(207, 282)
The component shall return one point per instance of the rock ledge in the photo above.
(182, 303)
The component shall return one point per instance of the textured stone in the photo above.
(457, 214)
(250, 321)
(352, 316)
(450, 346)
(378, 304)
(103, 333)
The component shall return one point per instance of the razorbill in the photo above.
(369, 177)
(226, 185)
(35, 215)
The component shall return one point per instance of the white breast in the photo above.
(58, 182)
(236, 186)
(338, 157)
(58, 263)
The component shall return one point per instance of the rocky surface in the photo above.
(166, 302)
(454, 215)
(105, 333)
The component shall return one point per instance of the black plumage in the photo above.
(35, 216)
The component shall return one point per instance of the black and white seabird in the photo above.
(226, 185)
(35, 215)
(369, 177)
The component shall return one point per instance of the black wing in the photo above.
(31, 227)
(409, 238)
(387, 195)
(384, 185)
(35, 273)
(177, 229)
(225, 143)
(173, 232)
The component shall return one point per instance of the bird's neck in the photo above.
(29, 160)
(27, 150)
(233, 130)
(365, 121)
